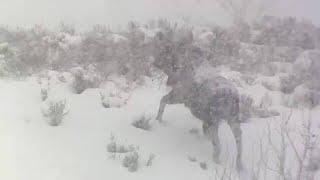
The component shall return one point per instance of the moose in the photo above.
(211, 99)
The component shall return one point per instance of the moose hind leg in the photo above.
(212, 132)
(236, 130)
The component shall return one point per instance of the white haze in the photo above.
(85, 13)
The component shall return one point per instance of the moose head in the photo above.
(176, 55)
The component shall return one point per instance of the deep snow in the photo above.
(30, 149)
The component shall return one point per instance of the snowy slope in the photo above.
(77, 149)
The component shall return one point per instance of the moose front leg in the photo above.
(174, 97)
(163, 103)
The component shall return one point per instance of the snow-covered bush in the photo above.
(113, 100)
(271, 86)
(139, 62)
(288, 83)
(32, 51)
(3, 66)
(253, 58)
(224, 47)
(307, 68)
(265, 113)
(44, 94)
(268, 69)
(302, 97)
(129, 155)
(131, 161)
(117, 91)
(142, 123)
(283, 67)
(192, 158)
(248, 109)
(194, 131)
(315, 98)
(84, 79)
(9, 63)
(261, 110)
(314, 160)
(80, 83)
(62, 78)
(104, 102)
(285, 32)
(266, 101)
(248, 78)
(55, 112)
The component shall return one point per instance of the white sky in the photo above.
(85, 13)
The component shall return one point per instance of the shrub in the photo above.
(62, 78)
(84, 79)
(142, 123)
(288, 84)
(114, 147)
(9, 62)
(55, 112)
(150, 160)
(192, 159)
(195, 131)
(315, 98)
(267, 69)
(264, 113)
(4, 70)
(307, 67)
(203, 165)
(113, 100)
(131, 161)
(270, 86)
(248, 78)
(44, 94)
(314, 162)
(104, 103)
(302, 97)
(80, 83)
(266, 101)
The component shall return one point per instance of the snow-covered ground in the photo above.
(30, 149)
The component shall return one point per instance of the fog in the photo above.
(85, 13)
